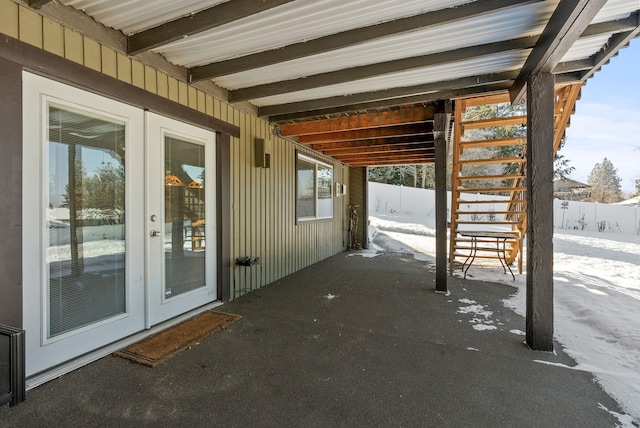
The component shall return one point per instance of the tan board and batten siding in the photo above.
(263, 222)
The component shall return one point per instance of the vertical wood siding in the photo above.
(263, 211)
(263, 218)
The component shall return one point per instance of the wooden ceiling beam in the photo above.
(392, 161)
(612, 27)
(571, 66)
(387, 94)
(198, 22)
(411, 139)
(401, 116)
(351, 37)
(569, 20)
(487, 84)
(368, 133)
(388, 149)
(501, 87)
(396, 156)
(387, 67)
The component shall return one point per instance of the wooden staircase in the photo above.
(499, 202)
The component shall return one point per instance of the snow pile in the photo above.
(596, 295)
(482, 318)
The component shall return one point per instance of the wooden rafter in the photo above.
(198, 22)
(462, 88)
(386, 149)
(498, 87)
(361, 121)
(369, 133)
(387, 162)
(351, 37)
(347, 145)
(365, 71)
(392, 95)
(569, 20)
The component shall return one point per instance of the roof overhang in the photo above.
(324, 62)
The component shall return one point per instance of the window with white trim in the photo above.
(314, 196)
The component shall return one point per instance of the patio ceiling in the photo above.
(352, 78)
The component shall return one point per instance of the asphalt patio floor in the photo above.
(351, 341)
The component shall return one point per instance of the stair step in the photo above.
(490, 161)
(493, 122)
(498, 142)
(492, 190)
(497, 223)
(465, 239)
(492, 201)
(489, 212)
(491, 177)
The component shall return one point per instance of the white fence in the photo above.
(593, 216)
(410, 201)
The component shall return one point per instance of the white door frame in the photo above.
(43, 352)
(145, 304)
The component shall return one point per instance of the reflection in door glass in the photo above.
(85, 219)
(184, 232)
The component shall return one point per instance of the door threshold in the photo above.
(64, 368)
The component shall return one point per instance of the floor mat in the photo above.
(163, 345)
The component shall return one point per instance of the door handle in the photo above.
(155, 233)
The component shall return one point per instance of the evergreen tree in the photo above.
(605, 183)
(422, 175)
(561, 165)
(510, 151)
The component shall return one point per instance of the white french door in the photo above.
(118, 221)
(180, 220)
(83, 250)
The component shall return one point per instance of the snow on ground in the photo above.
(596, 297)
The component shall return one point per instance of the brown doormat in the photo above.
(163, 345)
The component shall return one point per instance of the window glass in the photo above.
(306, 202)
(85, 214)
(184, 237)
(314, 189)
(325, 187)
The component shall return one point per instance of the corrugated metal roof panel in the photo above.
(475, 67)
(132, 16)
(585, 47)
(303, 20)
(519, 22)
(616, 9)
(294, 22)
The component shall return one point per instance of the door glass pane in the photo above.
(85, 219)
(184, 198)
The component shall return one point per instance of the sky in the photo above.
(607, 120)
(596, 295)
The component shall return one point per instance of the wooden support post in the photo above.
(540, 156)
(223, 215)
(440, 132)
